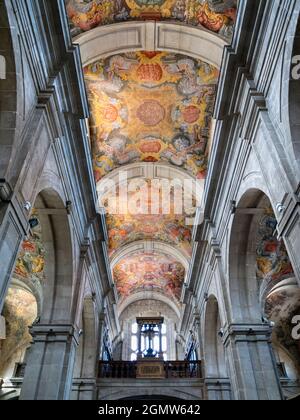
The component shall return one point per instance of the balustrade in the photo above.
(128, 370)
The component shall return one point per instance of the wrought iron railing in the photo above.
(128, 370)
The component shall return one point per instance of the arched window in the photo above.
(134, 342)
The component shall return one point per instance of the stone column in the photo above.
(218, 389)
(252, 365)
(50, 363)
(12, 233)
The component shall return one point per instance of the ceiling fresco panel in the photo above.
(149, 271)
(151, 107)
(218, 16)
(154, 222)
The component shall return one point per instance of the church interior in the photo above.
(149, 200)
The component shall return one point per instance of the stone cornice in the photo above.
(247, 333)
(56, 333)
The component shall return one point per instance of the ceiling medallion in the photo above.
(151, 113)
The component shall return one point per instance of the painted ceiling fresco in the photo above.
(31, 259)
(218, 16)
(154, 223)
(149, 271)
(273, 263)
(151, 107)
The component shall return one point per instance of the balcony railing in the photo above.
(128, 370)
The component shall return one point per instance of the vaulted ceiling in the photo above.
(129, 227)
(150, 107)
(149, 271)
(151, 118)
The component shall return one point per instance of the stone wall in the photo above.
(45, 163)
(251, 159)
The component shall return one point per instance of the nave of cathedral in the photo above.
(149, 200)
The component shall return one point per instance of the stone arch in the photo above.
(281, 303)
(139, 391)
(214, 354)
(242, 262)
(189, 189)
(149, 246)
(24, 303)
(250, 271)
(149, 307)
(55, 334)
(160, 171)
(41, 286)
(151, 36)
(57, 238)
(257, 263)
(152, 398)
(149, 295)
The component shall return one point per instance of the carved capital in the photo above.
(247, 333)
(46, 333)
